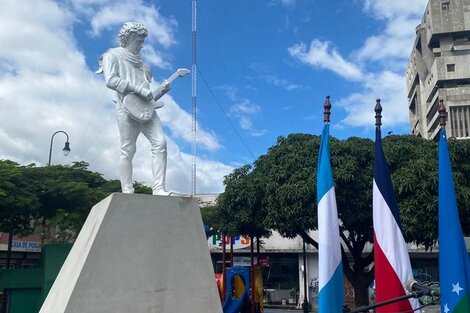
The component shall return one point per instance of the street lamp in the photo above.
(66, 149)
(305, 305)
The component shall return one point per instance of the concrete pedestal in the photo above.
(138, 254)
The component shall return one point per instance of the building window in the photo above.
(459, 121)
(450, 67)
(460, 39)
(445, 6)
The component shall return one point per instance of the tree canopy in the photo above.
(278, 192)
(57, 196)
(18, 202)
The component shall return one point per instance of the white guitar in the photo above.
(142, 110)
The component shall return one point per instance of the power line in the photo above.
(105, 148)
(226, 115)
(227, 73)
(92, 117)
(99, 133)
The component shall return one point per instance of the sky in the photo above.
(264, 68)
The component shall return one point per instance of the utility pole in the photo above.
(193, 95)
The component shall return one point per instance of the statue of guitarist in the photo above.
(127, 75)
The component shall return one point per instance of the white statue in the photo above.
(125, 73)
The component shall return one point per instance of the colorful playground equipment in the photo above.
(240, 287)
(237, 296)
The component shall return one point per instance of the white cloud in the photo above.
(284, 3)
(258, 132)
(180, 121)
(390, 88)
(244, 107)
(390, 9)
(207, 170)
(20, 39)
(280, 82)
(108, 14)
(245, 123)
(377, 67)
(394, 43)
(265, 73)
(320, 55)
(243, 110)
(46, 86)
(153, 57)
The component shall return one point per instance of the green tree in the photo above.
(18, 202)
(279, 192)
(55, 196)
(210, 216)
(66, 195)
(242, 211)
(460, 156)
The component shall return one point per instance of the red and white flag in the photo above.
(392, 262)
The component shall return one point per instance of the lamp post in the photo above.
(305, 307)
(66, 149)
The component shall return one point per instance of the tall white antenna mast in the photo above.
(193, 95)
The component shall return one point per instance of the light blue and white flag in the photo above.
(331, 284)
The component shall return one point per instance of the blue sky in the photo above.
(264, 69)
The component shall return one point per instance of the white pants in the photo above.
(129, 130)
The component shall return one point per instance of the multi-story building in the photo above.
(439, 68)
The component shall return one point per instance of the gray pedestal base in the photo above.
(138, 253)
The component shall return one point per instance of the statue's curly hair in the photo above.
(130, 28)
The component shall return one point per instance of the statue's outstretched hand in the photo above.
(166, 86)
(146, 93)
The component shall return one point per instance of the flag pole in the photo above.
(392, 265)
(305, 307)
(305, 304)
(454, 263)
(386, 223)
(330, 273)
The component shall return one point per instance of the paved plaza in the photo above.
(429, 309)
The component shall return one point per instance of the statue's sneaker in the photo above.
(163, 192)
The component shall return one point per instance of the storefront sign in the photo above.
(26, 246)
(30, 243)
(239, 242)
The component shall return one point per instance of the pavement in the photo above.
(267, 310)
(428, 309)
(281, 309)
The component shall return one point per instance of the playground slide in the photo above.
(232, 305)
(237, 295)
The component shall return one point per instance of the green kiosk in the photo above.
(26, 289)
